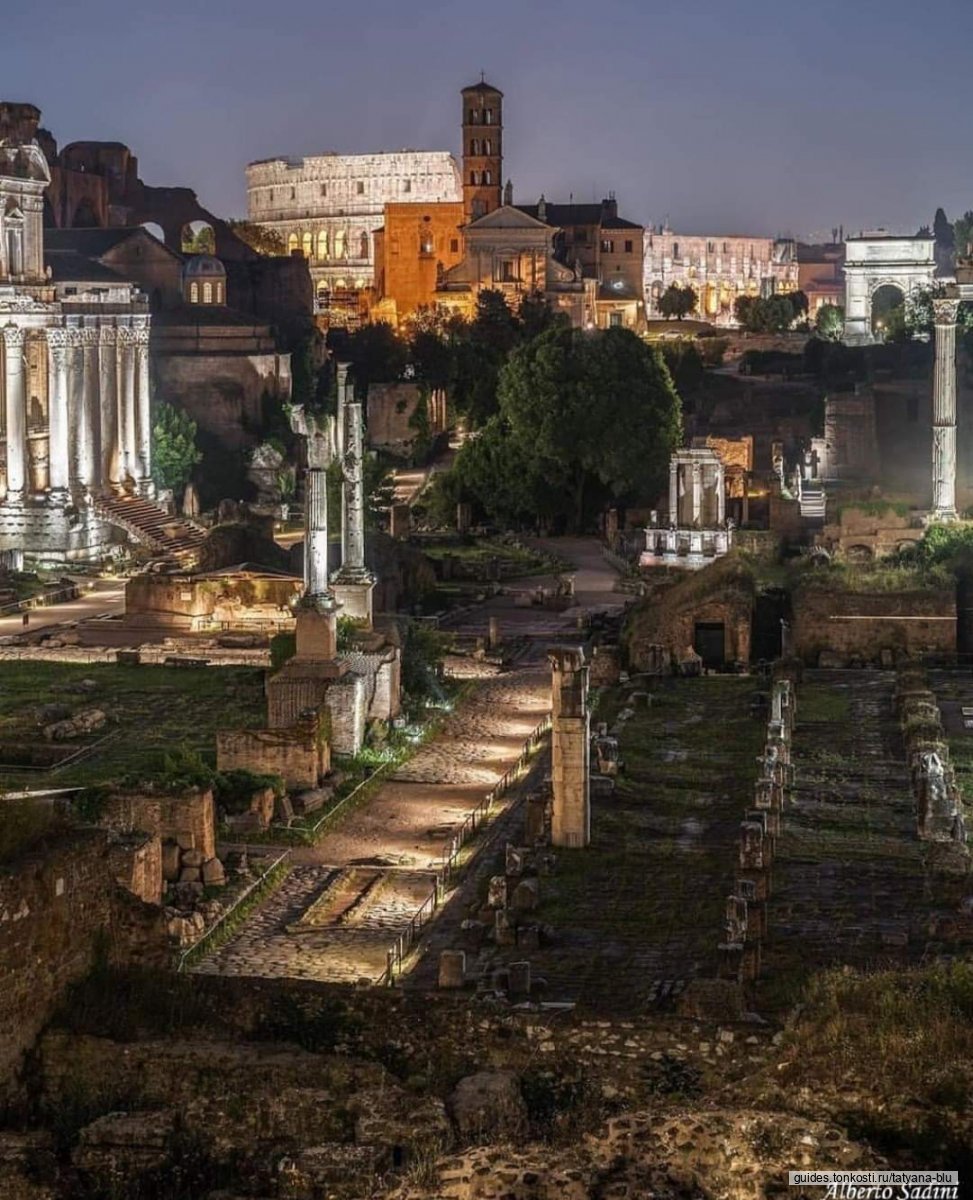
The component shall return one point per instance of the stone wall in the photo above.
(346, 707)
(58, 912)
(187, 818)
(136, 862)
(190, 601)
(381, 676)
(861, 534)
(300, 755)
(861, 625)
(391, 412)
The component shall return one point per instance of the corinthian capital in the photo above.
(944, 310)
(141, 335)
(88, 338)
(125, 335)
(107, 335)
(14, 336)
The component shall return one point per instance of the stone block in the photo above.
(171, 860)
(283, 809)
(525, 896)
(190, 875)
(497, 892)
(213, 874)
(452, 969)
(519, 980)
(193, 858)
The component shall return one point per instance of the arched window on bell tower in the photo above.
(13, 240)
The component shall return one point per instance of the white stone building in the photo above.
(719, 267)
(75, 426)
(881, 265)
(328, 206)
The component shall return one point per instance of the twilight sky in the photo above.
(730, 116)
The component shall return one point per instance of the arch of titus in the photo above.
(877, 260)
(75, 423)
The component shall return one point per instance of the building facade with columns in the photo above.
(75, 423)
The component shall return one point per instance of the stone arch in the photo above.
(197, 237)
(874, 261)
(307, 244)
(293, 243)
(363, 245)
(859, 553)
(322, 247)
(884, 297)
(155, 229)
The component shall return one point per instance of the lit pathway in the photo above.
(106, 596)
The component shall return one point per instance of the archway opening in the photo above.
(198, 237)
(155, 229)
(888, 307)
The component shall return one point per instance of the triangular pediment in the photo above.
(508, 216)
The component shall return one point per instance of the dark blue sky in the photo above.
(727, 115)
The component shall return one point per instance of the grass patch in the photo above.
(819, 702)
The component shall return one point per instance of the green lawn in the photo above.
(153, 709)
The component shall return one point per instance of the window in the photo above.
(508, 271)
(219, 293)
(675, 249)
(614, 319)
(339, 244)
(710, 247)
(607, 246)
(363, 246)
(726, 247)
(474, 117)
(487, 147)
(474, 146)
(207, 292)
(426, 244)
(307, 245)
(454, 245)
(194, 293)
(293, 193)
(360, 188)
(407, 186)
(324, 189)
(322, 245)
(488, 116)
(488, 178)
(628, 245)
(474, 178)
(292, 243)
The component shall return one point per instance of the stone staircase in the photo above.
(150, 525)
(813, 501)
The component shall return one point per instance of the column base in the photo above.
(941, 516)
(354, 593)
(145, 486)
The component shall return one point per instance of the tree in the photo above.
(798, 303)
(963, 235)
(584, 419)
(259, 237)
(677, 301)
(942, 230)
(774, 314)
(830, 322)
(174, 450)
(377, 355)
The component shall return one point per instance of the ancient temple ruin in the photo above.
(698, 531)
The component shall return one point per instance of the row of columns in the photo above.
(99, 422)
(696, 485)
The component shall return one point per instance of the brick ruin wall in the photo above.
(298, 754)
(187, 819)
(61, 911)
(862, 625)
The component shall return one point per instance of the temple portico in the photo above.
(698, 530)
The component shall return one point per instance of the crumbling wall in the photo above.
(299, 754)
(861, 625)
(187, 818)
(59, 911)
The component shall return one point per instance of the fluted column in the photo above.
(697, 480)
(673, 492)
(143, 410)
(316, 535)
(16, 413)
(944, 411)
(353, 495)
(108, 416)
(125, 367)
(58, 426)
(720, 495)
(89, 424)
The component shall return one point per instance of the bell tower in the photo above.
(482, 149)
(24, 175)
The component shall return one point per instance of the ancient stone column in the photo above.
(944, 411)
(353, 582)
(88, 425)
(316, 532)
(697, 479)
(108, 393)
(16, 413)
(58, 452)
(720, 494)
(143, 411)
(125, 374)
(673, 492)
(570, 748)
(343, 398)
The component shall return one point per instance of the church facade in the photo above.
(75, 422)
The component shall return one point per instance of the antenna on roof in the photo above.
(482, 76)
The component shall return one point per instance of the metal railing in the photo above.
(405, 942)
(46, 599)
(221, 921)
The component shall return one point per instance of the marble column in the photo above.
(697, 480)
(143, 414)
(944, 411)
(720, 484)
(108, 393)
(59, 456)
(353, 582)
(342, 391)
(673, 492)
(16, 413)
(125, 368)
(88, 426)
(316, 535)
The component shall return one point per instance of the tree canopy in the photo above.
(584, 419)
(830, 322)
(174, 450)
(677, 301)
(259, 237)
(772, 314)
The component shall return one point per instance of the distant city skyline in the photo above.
(766, 121)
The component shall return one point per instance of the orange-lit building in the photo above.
(416, 243)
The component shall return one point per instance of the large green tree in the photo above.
(584, 419)
(259, 237)
(174, 450)
(830, 322)
(677, 301)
